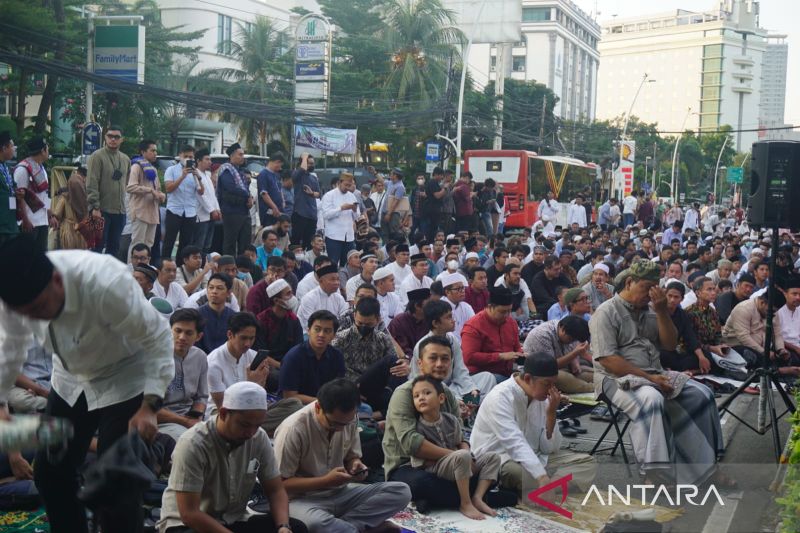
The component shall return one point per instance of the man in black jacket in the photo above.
(544, 284)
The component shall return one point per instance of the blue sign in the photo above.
(432, 151)
(304, 70)
(92, 135)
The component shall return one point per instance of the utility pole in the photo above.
(90, 68)
(499, 90)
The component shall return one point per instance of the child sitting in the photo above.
(444, 430)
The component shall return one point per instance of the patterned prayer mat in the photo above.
(24, 521)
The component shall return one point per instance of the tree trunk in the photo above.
(20, 118)
(49, 95)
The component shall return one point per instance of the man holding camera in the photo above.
(107, 172)
(184, 187)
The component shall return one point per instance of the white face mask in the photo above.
(452, 265)
(292, 304)
(420, 182)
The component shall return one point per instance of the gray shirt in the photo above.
(190, 384)
(596, 297)
(445, 433)
(619, 329)
(223, 473)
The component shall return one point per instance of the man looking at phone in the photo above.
(107, 172)
(340, 209)
(270, 201)
(187, 394)
(319, 456)
(184, 187)
(306, 192)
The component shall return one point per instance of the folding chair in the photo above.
(618, 443)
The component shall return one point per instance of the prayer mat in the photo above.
(24, 521)
(508, 520)
(593, 515)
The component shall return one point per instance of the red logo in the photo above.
(560, 482)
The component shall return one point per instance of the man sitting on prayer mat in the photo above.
(675, 427)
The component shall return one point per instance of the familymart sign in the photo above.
(119, 52)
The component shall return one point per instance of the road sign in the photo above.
(735, 175)
(432, 151)
(429, 167)
(92, 134)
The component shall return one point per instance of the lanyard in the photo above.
(7, 176)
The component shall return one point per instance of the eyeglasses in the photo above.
(113, 136)
(336, 423)
(582, 299)
(456, 289)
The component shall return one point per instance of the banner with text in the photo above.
(326, 139)
(119, 53)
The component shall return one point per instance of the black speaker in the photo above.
(775, 185)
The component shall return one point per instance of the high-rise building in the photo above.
(558, 48)
(773, 80)
(707, 68)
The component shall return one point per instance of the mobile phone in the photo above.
(190, 163)
(359, 472)
(194, 414)
(261, 356)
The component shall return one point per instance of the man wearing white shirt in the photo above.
(391, 306)
(326, 296)
(166, 287)
(576, 213)
(454, 286)
(112, 365)
(340, 210)
(369, 264)
(184, 187)
(418, 278)
(399, 267)
(548, 212)
(692, 219)
(789, 316)
(311, 280)
(518, 420)
(208, 212)
(629, 205)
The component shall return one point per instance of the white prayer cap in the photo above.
(471, 255)
(757, 251)
(601, 266)
(214, 256)
(381, 273)
(451, 236)
(244, 396)
(452, 279)
(276, 287)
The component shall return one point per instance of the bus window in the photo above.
(537, 180)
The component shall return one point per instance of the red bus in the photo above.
(526, 177)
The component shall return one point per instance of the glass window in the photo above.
(709, 93)
(712, 50)
(712, 64)
(709, 106)
(224, 26)
(535, 14)
(711, 78)
(518, 63)
(709, 121)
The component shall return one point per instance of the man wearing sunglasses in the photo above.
(107, 178)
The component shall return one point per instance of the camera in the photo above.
(190, 163)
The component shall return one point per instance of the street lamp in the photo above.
(673, 188)
(716, 171)
(627, 119)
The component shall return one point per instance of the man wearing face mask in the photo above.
(369, 355)
(280, 328)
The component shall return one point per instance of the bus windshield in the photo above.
(565, 176)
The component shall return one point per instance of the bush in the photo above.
(789, 501)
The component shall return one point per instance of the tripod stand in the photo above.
(767, 375)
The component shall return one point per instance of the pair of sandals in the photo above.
(571, 427)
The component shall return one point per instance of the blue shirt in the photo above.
(301, 371)
(268, 182)
(232, 197)
(215, 332)
(288, 201)
(393, 190)
(183, 200)
(262, 255)
(604, 213)
(305, 205)
(556, 312)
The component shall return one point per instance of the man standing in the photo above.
(548, 212)
(30, 175)
(490, 340)
(145, 195)
(675, 431)
(692, 219)
(462, 198)
(340, 210)
(107, 176)
(184, 186)
(393, 208)
(629, 206)
(166, 287)
(208, 213)
(10, 198)
(270, 201)
(215, 466)
(432, 208)
(233, 191)
(576, 214)
(113, 364)
(187, 395)
(319, 452)
(306, 192)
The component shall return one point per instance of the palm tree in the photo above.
(421, 38)
(263, 75)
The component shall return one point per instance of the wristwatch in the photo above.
(284, 526)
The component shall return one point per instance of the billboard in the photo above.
(624, 178)
(326, 139)
(307, 70)
(119, 53)
(487, 21)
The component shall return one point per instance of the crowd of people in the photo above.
(372, 334)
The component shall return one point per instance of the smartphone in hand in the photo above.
(261, 356)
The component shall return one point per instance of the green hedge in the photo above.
(789, 501)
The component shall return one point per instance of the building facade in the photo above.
(773, 80)
(559, 48)
(707, 68)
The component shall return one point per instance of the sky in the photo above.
(777, 16)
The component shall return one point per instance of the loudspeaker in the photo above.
(775, 185)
